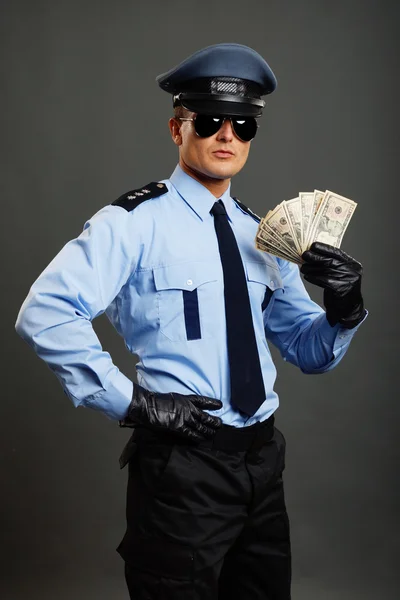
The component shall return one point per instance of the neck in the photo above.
(216, 186)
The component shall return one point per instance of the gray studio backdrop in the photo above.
(83, 121)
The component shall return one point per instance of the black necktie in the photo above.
(247, 386)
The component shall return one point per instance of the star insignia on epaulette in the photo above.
(132, 199)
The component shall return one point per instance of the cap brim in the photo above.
(219, 107)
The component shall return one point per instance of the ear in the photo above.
(175, 129)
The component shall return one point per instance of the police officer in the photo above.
(174, 267)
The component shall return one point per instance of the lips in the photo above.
(223, 153)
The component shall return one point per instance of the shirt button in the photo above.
(272, 284)
(189, 282)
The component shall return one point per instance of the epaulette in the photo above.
(132, 199)
(246, 209)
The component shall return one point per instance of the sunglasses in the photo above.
(245, 128)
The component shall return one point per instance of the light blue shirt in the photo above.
(136, 266)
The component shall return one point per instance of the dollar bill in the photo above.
(317, 199)
(307, 204)
(292, 226)
(332, 219)
(293, 211)
(276, 250)
(279, 221)
(267, 234)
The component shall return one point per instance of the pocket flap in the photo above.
(184, 276)
(264, 273)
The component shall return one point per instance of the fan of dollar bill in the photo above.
(291, 228)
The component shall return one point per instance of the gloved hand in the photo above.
(179, 413)
(340, 276)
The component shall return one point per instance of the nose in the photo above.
(225, 133)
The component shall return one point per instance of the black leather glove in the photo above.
(340, 276)
(179, 413)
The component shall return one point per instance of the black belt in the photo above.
(227, 438)
(233, 439)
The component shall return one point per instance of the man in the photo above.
(175, 268)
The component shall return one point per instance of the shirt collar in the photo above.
(198, 197)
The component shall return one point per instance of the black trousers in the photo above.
(208, 521)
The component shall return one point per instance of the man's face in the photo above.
(219, 156)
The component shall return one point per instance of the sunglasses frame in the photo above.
(223, 121)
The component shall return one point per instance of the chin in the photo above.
(223, 171)
(226, 174)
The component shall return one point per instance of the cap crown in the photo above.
(224, 78)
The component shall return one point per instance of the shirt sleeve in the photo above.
(298, 327)
(75, 288)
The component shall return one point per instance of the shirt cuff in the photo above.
(115, 400)
(343, 336)
(335, 340)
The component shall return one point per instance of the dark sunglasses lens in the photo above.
(206, 125)
(245, 128)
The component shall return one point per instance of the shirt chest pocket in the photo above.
(186, 293)
(265, 279)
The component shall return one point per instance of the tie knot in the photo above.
(218, 208)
